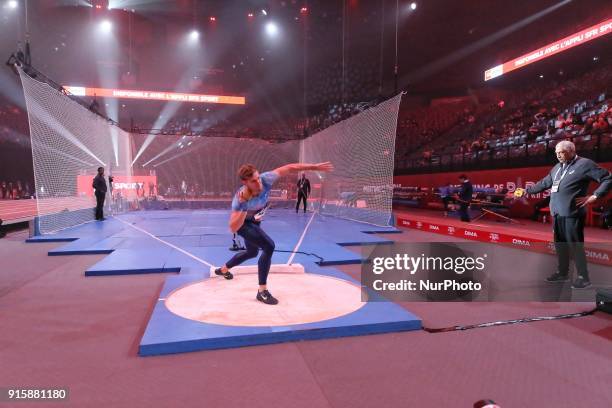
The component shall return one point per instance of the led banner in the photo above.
(155, 95)
(127, 186)
(564, 44)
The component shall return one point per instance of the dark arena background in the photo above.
(426, 221)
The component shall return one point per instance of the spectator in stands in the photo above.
(475, 147)
(588, 126)
(600, 125)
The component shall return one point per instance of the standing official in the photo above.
(99, 185)
(303, 186)
(568, 182)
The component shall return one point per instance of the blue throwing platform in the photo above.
(178, 241)
(168, 333)
(204, 233)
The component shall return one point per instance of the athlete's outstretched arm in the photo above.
(297, 167)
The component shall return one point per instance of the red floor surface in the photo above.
(12, 211)
(62, 329)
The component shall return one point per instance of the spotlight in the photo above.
(12, 4)
(106, 26)
(250, 15)
(271, 29)
(304, 10)
(264, 12)
(413, 6)
(213, 18)
(194, 35)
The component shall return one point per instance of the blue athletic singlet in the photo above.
(257, 203)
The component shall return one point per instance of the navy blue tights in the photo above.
(254, 238)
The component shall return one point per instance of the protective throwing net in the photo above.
(69, 143)
(196, 168)
(362, 149)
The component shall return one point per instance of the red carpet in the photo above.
(62, 329)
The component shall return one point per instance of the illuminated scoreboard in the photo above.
(564, 44)
(155, 95)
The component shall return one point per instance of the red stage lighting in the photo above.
(213, 19)
(304, 10)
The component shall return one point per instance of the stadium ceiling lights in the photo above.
(271, 29)
(106, 26)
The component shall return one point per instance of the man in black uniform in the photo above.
(99, 185)
(568, 182)
(465, 196)
(303, 185)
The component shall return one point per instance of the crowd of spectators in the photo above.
(332, 114)
(15, 190)
(418, 128)
(525, 122)
(288, 129)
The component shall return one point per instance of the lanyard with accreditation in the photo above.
(555, 186)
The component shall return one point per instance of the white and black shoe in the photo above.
(227, 275)
(266, 297)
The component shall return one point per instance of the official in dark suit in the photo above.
(99, 185)
(465, 196)
(303, 186)
(569, 182)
